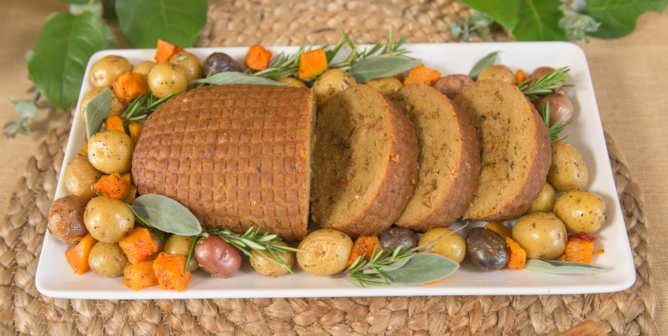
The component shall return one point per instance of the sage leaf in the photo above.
(539, 21)
(381, 66)
(59, 60)
(143, 22)
(618, 17)
(561, 267)
(483, 64)
(391, 267)
(223, 78)
(97, 110)
(26, 109)
(502, 11)
(166, 214)
(421, 268)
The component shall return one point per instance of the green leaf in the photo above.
(112, 41)
(96, 111)
(166, 214)
(143, 22)
(95, 8)
(577, 25)
(618, 17)
(502, 11)
(539, 21)
(59, 60)
(455, 29)
(561, 267)
(421, 268)
(381, 66)
(26, 109)
(223, 78)
(76, 1)
(480, 19)
(483, 64)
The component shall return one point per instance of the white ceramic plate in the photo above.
(55, 277)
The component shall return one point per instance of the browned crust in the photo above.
(455, 198)
(235, 155)
(538, 164)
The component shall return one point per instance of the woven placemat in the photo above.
(24, 311)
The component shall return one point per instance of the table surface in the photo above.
(630, 76)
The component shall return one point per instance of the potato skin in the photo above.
(545, 200)
(330, 83)
(581, 211)
(108, 220)
(144, 68)
(266, 267)
(452, 85)
(561, 108)
(386, 86)
(106, 70)
(176, 244)
(110, 151)
(324, 252)
(218, 257)
(487, 249)
(190, 64)
(80, 176)
(541, 234)
(396, 236)
(107, 259)
(452, 247)
(292, 82)
(220, 62)
(568, 170)
(499, 71)
(166, 78)
(116, 107)
(66, 220)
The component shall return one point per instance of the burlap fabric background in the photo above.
(23, 310)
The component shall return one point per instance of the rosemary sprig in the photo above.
(144, 105)
(556, 128)
(267, 244)
(545, 85)
(381, 259)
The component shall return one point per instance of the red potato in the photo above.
(452, 85)
(217, 257)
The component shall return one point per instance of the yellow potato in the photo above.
(266, 267)
(80, 176)
(105, 71)
(107, 260)
(330, 83)
(324, 252)
(176, 244)
(189, 63)
(108, 220)
(386, 86)
(116, 107)
(167, 78)
(499, 71)
(542, 235)
(452, 247)
(545, 200)
(144, 68)
(111, 151)
(292, 82)
(581, 211)
(568, 170)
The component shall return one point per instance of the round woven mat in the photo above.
(24, 311)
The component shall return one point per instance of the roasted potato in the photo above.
(116, 107)
(189, 63)
(538, 73)
(386, 86)
(487, 249)
(561, 108)
(499, 71)
(105, 71)
(111, 151)
(452, 247)
(324, 252)
(176, 244)
(267, 267)
(66, 220)
(144, 68)
(545, 200)
(292, 82)
(107, 259)
(396, 236)
(581, 211)
(220, 62)
(108, 220)
(80, 176)
(167, 78)
(568, 170)
(452, 85)
(541, 234)
(218, 257)
(330, 83)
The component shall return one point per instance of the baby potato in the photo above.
(218, 257)
(189, 63)
(330, 83)
(397, 236)
(105, 71)
(541, 234)
(292, 82)
(561, 108)
(452, 85)
(324, 252)
(545, 200)
(116, 107)
(452, 247)
(220, 62)
(111, 151)
(266, 267)
(108, 220)
(487, 249)
(499, 71)
(176, 244)
(144, 68)
(568, 170)
(107, 259)
(80, 176)
(167, 78)
(66, 221)
(386, 86)
(581, 211)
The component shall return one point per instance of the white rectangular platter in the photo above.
(56, 279)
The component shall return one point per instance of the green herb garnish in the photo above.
(556, 128)
(555, 79)
(142, 106)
